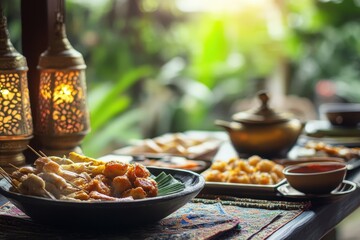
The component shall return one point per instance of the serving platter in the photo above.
(241, 190)
(345, 187)
(188, 145)
(107, 213)
(300, 154)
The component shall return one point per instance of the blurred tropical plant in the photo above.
(143, 85)
(328, 40)
(156, 66)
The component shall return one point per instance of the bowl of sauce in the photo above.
(315, 177)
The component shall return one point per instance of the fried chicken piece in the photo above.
(137, 171)
(98, 186)
(120, 184)
(113, 169)
(148, 185)
(136, 193)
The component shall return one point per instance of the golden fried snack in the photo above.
(215, 176)
(219, 165)
(253, 170)
(239, 177)
(76, 157)
(265, 165)
(254, 160)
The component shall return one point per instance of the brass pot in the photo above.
(262, 131)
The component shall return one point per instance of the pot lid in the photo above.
(261, 115)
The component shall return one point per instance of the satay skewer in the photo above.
(7, 177)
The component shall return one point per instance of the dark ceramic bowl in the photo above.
(315, 177)
(108, 214)
(341, 114)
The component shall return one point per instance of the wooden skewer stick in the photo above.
(43, 154)
(34, 151)
(7, 177)
(12, 165)
(49, 194)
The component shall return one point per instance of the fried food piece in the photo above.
(278, 170)
(23, 171)
(99, 196)
(113, 169)
(240, 177)
(137, 171)
(76, 167)
(33, 185)
(174, 149)
(261, 178)
(75, 157)
(136, 193)
(215, 176)
(95, 170)
(97, 185)
(149, 185)
(243, 165)
(40, 162)
(151, 146)
(265, 165)
(254, 160)
(55, 179)
(275, 178)
(53, 167)
(79, 195)
(120, 184)
(334, 151)
(61, 160)
(219, 165)
(60, 185)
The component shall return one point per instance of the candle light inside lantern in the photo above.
(4, 93)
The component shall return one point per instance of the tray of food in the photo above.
(313, 150)
(190, 146)
(243, 177)
(83, 192)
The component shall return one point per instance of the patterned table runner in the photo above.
(210, 217)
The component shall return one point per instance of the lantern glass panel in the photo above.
(15, 113)
(62, 102)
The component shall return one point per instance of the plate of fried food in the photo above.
(86, 192)
(312, 150)
(243, 177)
(189, 146)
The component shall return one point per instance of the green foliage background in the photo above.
(153, 68)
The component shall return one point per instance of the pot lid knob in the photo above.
(261, 115)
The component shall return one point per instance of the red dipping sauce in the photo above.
(315, 168)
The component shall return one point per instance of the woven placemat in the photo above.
(222, 216)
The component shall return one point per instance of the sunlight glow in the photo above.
(216, 5)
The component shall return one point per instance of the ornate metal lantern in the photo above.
(16, 127)
(63, 120)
